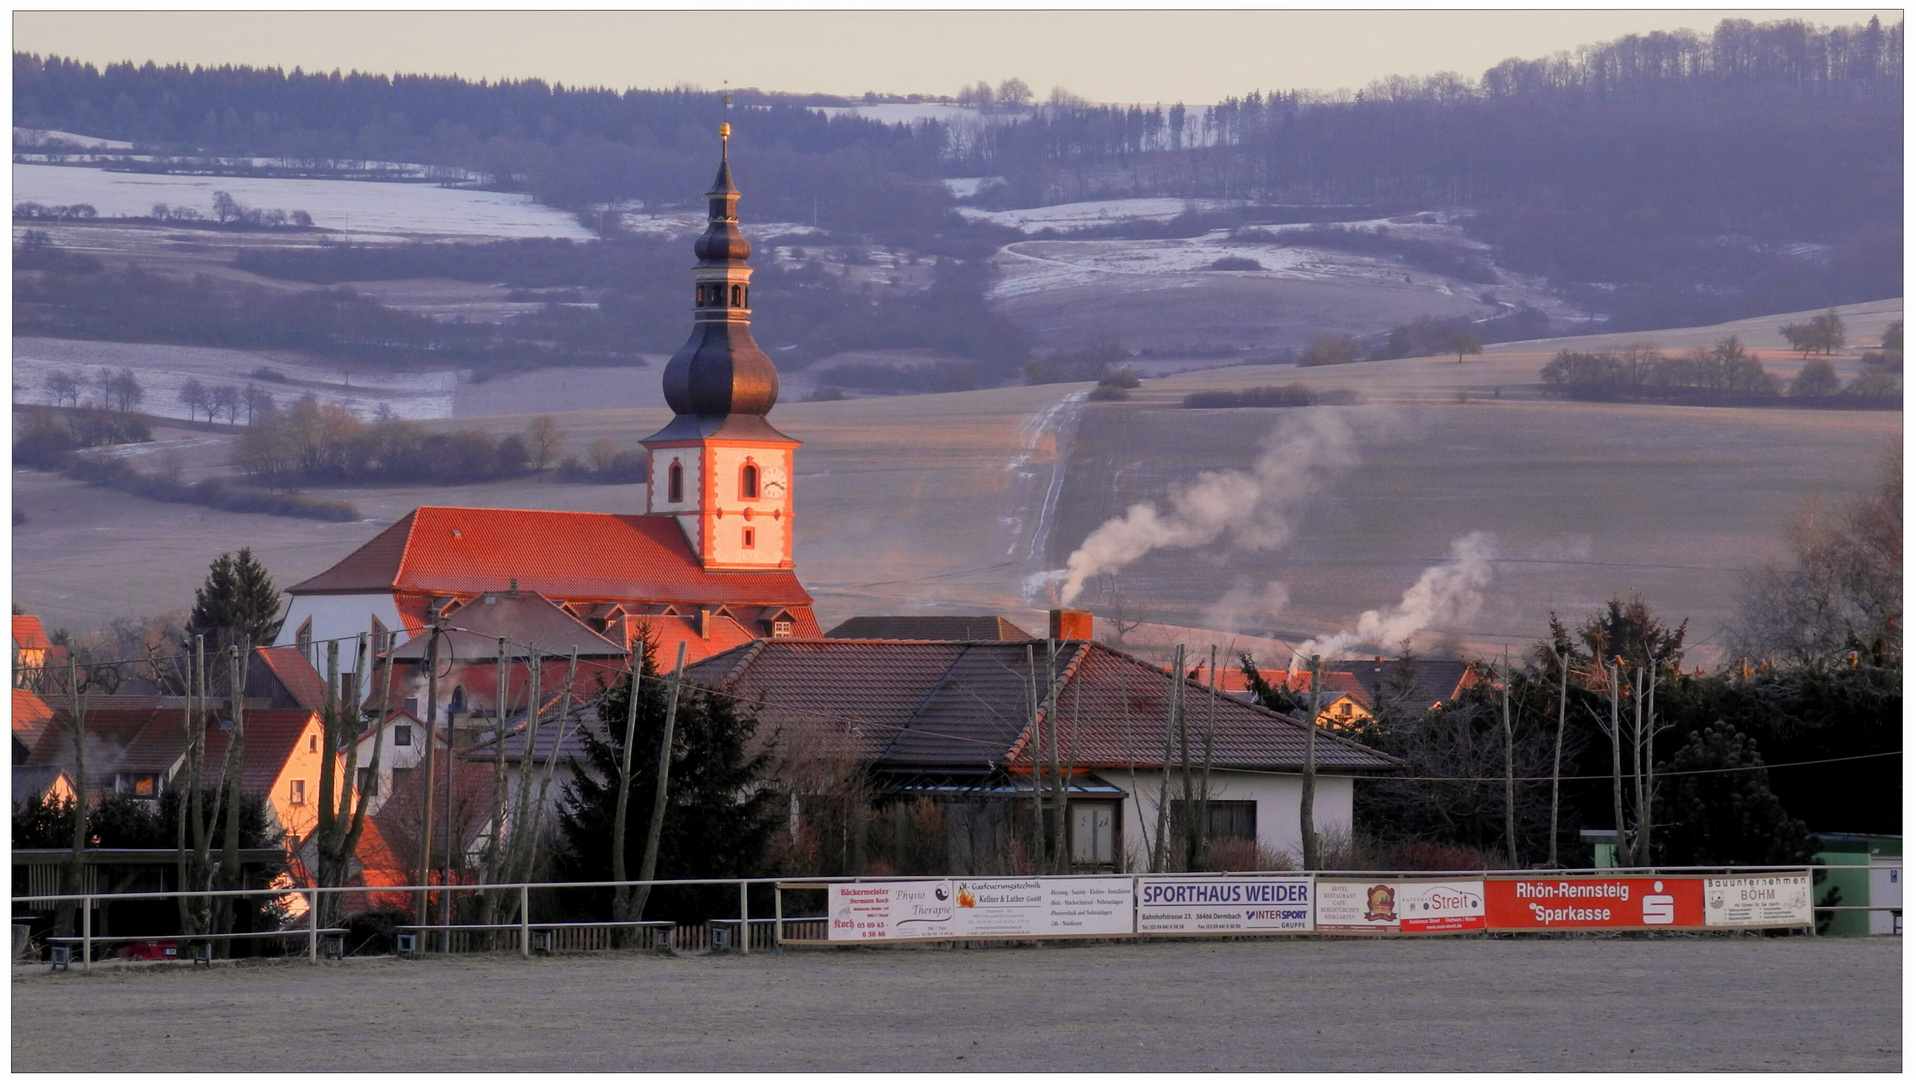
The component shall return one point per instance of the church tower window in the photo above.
(749, 538)
(675, 483)
(748, 481)
(738, 296)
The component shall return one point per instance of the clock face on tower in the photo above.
(774, 481)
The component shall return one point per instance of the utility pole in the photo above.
(422, 913)
(1307, 807)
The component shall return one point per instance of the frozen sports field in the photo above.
(1742, 1004)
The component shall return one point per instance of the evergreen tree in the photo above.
(720, 812)
(1725, 816)
(238, 605)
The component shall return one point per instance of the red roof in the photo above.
(30, 715)
(564, 555)
(290, 666)
(29, 634)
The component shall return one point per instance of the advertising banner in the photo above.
(1769, 900)
(1400, 906)
(1237, 905)
(1594, 903)
(1042, 907)
(891, 911)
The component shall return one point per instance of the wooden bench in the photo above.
(201, 945)
(405, 938)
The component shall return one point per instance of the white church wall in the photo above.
(340, 616)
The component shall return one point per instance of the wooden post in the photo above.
(312, 920)
(649, 864)
(1510, 769)
(744, 919)
(1307, 806)
(1556, 765)
(778, 915)
(525, 918)
(86, 923)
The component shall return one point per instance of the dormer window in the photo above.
(675, 483)
(781, 628)
(748, 481)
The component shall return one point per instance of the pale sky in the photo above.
(1103, 55)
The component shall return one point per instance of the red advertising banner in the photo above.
(1594, 903)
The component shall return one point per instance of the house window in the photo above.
(312, 744)
(138, 785)
(675, 483)
(748, 481)
(1344, 709)
(750, 537)
(402, 735)
(305, 639)
(782, 628)
(380, 636)
(1228, 819)
(298, 795)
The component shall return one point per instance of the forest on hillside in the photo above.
(1661, 179)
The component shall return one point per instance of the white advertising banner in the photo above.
(892, 911)
(1400, 907)
(1774, 900)
(1236, 905)
(1042, 907)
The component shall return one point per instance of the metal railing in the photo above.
(524, 924)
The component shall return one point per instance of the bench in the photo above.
(406, 938)
(332, 941)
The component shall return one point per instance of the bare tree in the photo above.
(545, 440)
(192, 394)
(62, 386)
(258, 401)
(224, 398)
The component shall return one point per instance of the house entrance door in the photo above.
(1093, 840)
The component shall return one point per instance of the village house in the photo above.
(709, 560)
(961, 721)
(140, 750)
(33, 651)
(1342, 703)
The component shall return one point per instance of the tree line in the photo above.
(1725, 372)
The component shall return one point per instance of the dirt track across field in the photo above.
(1376, 1005)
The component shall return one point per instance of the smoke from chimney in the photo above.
(1445, 594)
(1252, 509)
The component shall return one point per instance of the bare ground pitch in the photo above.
(1456, 1004)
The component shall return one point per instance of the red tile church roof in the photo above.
(564, 555)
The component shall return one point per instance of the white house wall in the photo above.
(340, 616)
(1279, 797)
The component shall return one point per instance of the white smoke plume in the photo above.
(1252, 509)
(1444, 595)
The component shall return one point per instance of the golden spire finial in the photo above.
(725, 129)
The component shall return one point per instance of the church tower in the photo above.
(720, 469)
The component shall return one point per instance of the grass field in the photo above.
(936, 503)
(1572, 1005)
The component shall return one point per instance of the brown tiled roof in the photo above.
(565, 555)
(1231, 680)
(152, 739)
(523, 619)
(1436, 681)
(929, 628)
(965, 706)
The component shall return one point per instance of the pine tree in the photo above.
(238, 605)
(719, 813)
(1725, 816)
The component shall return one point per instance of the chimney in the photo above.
(1068, 625)
(705, 623)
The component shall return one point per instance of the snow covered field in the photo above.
(163, 369)
(364, 210)
(1084, 215)
(38, 136)
(1041, 265)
